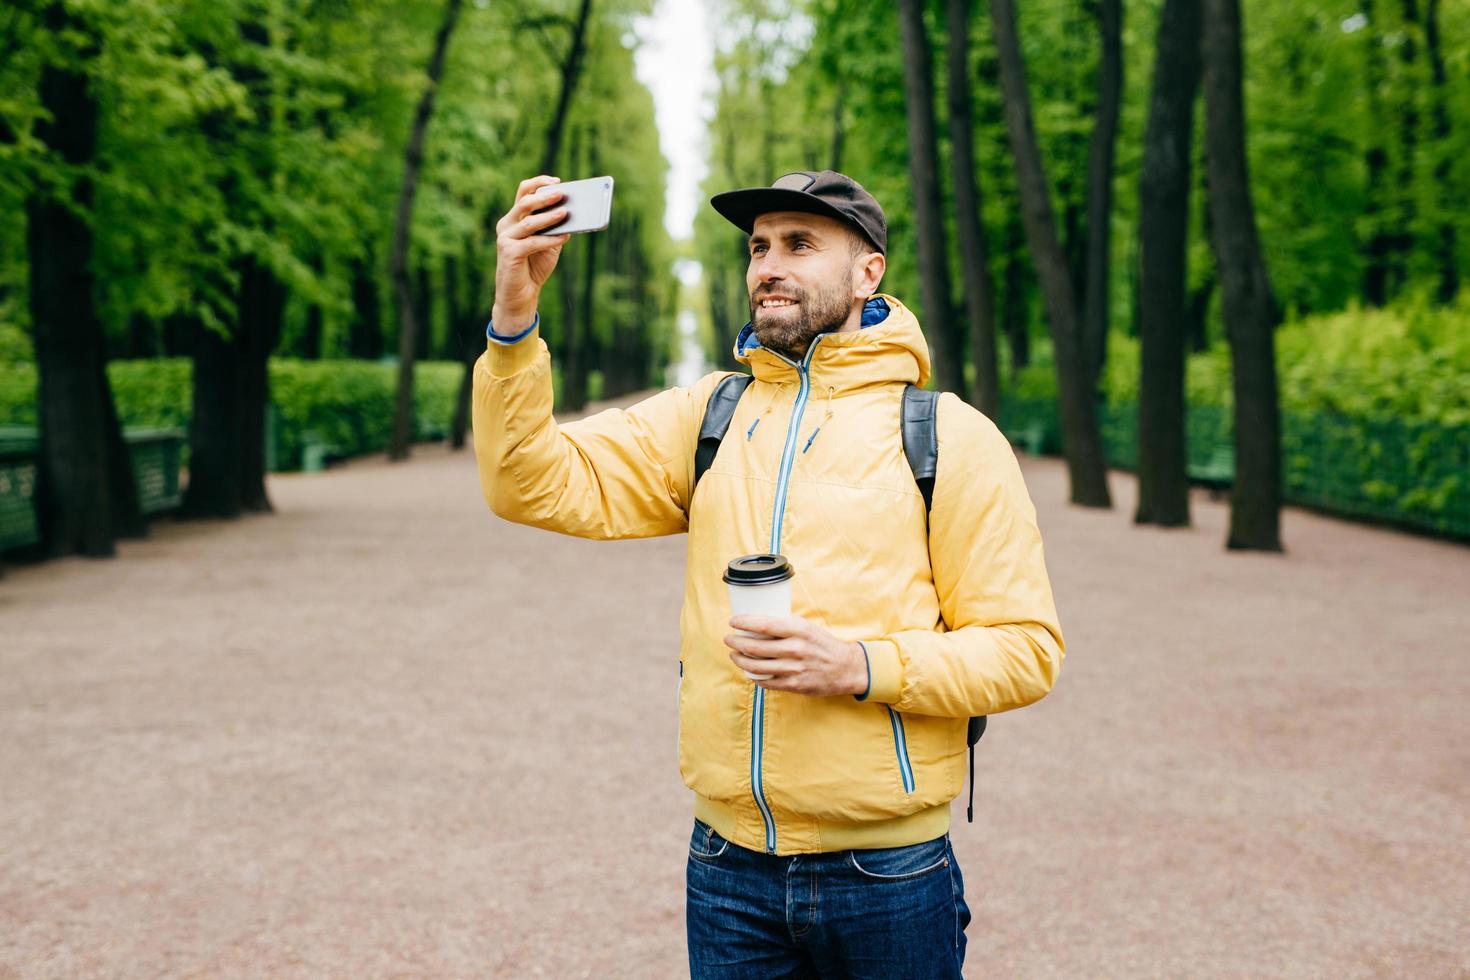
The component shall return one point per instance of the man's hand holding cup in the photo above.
(524, 258)
(794, 654)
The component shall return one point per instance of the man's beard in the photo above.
(790, 332)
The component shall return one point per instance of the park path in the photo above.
(384, 734)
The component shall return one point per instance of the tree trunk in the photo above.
(1163, 232)
(413, 160)
(1375, 160)
(83, 503)
(1100, 190)
(452, 346)
(578, 311)
(214, 489)
(970, 214)
(629, 370)
(423, 310)
(472, 335)
(262, 302)
(1405, 180)
(1250, 311)
(570, 70)
(1198, 314)
(309, 345)
(839, 132)
(918, 71)
(618, 263)
(580, 343)
(1013, 312)
(1453, 197)
(1199, 296)
(1080, 438)
(365, 334)
(178, 335)
(311, 337)
(141, 340)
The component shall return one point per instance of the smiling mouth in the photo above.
(776, 304)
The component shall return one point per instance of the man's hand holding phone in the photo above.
(524, 258)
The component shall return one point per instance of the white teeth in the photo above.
(767, 303)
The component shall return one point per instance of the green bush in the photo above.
(17, 394)
(153, 394)
(1410, 362)
(15, 345)
(349, 404)
(1375, 410)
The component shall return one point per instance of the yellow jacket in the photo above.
(958, 621)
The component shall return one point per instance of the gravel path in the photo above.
(384, 734)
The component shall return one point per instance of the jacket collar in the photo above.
(888, 347)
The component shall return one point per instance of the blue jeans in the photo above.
(886, 914)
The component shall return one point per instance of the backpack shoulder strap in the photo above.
(717, 415)
(921, 438)
(921, 447)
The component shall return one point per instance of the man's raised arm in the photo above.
(617, 474)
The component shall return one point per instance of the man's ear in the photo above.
(869, 274)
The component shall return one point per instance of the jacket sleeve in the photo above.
(617, 474)
(1004, 646)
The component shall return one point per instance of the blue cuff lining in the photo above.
(503, 339)
(869, 667)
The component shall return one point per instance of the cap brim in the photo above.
(741, 208)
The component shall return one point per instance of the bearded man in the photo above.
(824, 751)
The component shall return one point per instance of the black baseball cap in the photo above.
(813, 192)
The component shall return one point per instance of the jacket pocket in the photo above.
(901, 747)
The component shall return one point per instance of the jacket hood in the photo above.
(888, 347)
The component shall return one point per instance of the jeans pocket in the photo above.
(705, 844)
(901, 863)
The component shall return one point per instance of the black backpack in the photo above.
(920, 448)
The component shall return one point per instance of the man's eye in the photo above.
(756, 250)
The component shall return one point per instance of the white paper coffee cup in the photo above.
(759, 585)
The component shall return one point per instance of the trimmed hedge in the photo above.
(1408, 362)
(348, 403)
(1375, 411)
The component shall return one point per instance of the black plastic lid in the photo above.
(758, 570)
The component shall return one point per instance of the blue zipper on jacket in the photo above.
(901, 746)
(758, 713)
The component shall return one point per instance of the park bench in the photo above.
(155, 456)
(1033, 436)
(1218, 471)
(316, 451)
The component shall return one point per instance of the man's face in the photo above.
(800, 279)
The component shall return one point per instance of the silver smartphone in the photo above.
(588, 203)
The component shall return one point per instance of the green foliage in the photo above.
(1315, 106)
(1411, 363)
(152, 394)
(15, 346)
(18, 394)
(348, 404)
(1375, 410)
(232, 131)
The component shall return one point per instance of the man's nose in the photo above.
(768, 269)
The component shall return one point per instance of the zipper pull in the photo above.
(813, 436)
